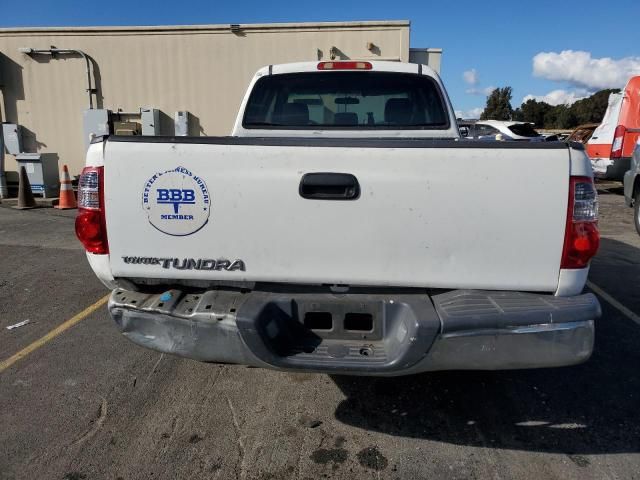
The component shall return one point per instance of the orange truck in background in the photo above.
(611, 146)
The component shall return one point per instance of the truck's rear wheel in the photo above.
(636, 211)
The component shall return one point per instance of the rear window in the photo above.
(346, 100)
(524, 130)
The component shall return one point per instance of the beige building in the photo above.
(201, 69)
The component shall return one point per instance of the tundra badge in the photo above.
(189, 263)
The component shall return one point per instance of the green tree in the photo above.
(566, 118)
(498, 105)
(587, 110)
(551, 117)
(533, 111)
(593, 108)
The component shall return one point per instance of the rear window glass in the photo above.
(345, 100)
(524, 130)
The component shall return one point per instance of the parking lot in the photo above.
(87, 404)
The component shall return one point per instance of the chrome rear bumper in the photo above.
(408, 333)
(535, 346)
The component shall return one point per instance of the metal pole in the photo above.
(4, 191)
(51, 51)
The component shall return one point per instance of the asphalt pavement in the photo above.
(88, 404)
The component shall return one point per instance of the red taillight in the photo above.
(344, 66)
(581, 236)
(618, 141)
(90, 223)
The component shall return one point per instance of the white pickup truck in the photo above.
(344, 227)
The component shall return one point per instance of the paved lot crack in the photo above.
(102, 415)
(239, 442)
(155, 366)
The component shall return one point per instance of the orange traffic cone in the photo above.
(67, 198)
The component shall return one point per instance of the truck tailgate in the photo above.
(450, 215)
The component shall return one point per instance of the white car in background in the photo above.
(519, 131)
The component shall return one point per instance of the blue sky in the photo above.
(495, 42)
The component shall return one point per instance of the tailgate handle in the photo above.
(329, 186)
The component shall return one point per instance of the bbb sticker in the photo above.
(177, 202)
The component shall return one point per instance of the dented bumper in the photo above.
(362, 334)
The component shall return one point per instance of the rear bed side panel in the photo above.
(101, 267)
(435, 217)
(100, 264)
(95, 154)
(572, 281)
(580, 163)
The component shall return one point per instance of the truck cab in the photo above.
(346, 99)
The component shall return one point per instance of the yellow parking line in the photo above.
(53, 334)
(613, 302)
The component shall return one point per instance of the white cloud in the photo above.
(560, 97)
(485, 91)
(580, 69)
(469, 114)
(471, 76)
